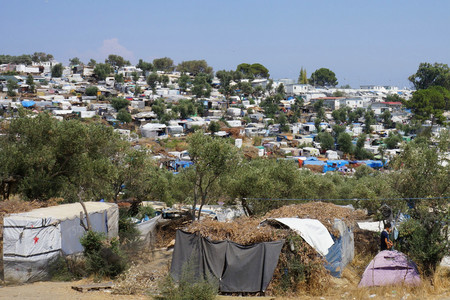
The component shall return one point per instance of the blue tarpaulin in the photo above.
(372, 163)
(333, 165)
(28, 103)
(342, 251)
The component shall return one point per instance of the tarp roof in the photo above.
(28, 103)
(312, 231)
(64, 211)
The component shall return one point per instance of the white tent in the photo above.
(33, 240)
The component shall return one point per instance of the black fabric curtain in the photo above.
(237, 268)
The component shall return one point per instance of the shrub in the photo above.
(423, 238)
(91, 91)
(103, 258)
(124, 116)
(119, 103)
(128, 233)
(146, 211)
(214, 127)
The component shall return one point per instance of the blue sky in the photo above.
(363, 42)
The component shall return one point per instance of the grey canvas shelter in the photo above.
(237, 268)
(33, 240)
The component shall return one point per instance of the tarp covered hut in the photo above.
(33, 240)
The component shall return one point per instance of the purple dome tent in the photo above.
(390, 268)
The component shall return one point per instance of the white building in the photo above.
(128, 71)
(27, 69)
(296, 89)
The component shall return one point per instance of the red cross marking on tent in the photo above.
(36, 239)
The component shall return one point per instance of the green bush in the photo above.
(103, 258)
(423, 238)
(146, 210)
(128, 233)
(124, 116)
(119, 103)
(91, 91)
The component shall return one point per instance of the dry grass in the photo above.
(146, 271)
(244, 231)
(323, 211)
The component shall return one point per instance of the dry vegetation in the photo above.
(149, 266)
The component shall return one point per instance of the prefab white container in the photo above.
(33, 240)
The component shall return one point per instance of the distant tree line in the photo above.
(26, 59)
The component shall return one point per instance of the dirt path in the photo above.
(56, 291)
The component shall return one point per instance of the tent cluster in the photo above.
(245, 255)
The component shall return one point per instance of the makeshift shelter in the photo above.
(390, 268)
(237, 268)
(33, 240)
(338, 251)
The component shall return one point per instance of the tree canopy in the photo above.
(43, 158)
(201, 85)
(163, 64)
(144, 66)
(119, 103)
(194, 67)
(91, 90)
(116, 61)
(226, 88)
(429, 75)
(251, 71)
(152, 80)
(303, 78)
(75, 61)
(323, 77)
(212, 158)
(20, 59)
(41, 57)
(102, 71)
(57, 70)
(430, 104)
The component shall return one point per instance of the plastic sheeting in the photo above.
(147, 228)
(375, 226)
(28, 103)
(312, 231)
(343, 250)
(238, 268)
(33, 240)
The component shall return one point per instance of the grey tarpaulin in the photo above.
(238, 268)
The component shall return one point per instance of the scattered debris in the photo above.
(93, 287)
